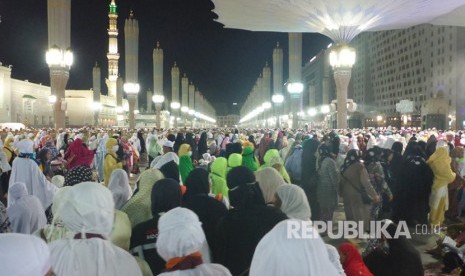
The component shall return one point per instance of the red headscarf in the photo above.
(79, 155)
(353, 265)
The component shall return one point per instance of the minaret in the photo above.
(113, 55)
(96, 88)
(131, 54)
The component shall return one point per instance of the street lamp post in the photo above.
(342, 58)
(59, 61)
(277, 99)
(295, 89)
(132, 90)
(158, 100)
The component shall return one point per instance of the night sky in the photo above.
(223, 63)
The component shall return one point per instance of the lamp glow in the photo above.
(342, 56)
(325, 109)
(312, 112)
(184, 109)
(175, 105)
(131, 88)
(96, 106)
(52, 99)
(277, 98)
(266, 105)
(191, 112)
(295, 87)
(68, 57)
(158, 99)
(56, 57)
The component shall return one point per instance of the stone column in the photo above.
(96, 96)
(342, 78)
(295, 73)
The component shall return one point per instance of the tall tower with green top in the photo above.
(113, 55)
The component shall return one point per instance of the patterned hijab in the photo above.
(78, 175)
(353, 156)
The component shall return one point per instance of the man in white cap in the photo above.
(26, 170)
(168, 146)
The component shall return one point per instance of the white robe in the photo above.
(26, 171)
(279, 253)
(91, 257)
(24, 211)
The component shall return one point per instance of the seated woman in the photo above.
(399, 258)
(352, 261)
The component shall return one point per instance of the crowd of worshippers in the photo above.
(218, 201)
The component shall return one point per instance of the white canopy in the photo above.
(341, 20)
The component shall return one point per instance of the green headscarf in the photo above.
(272, 157)
(234, 160)
(218, 176)
(154, 148)
(185, 167)
(249, 160)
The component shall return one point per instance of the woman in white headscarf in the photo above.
(179, 243)
(24, 255)
(269, 180)
(164, 159)
(119, 187)
(292, 200)
(56, 230)
(278, 254)
(335, 259)
(89, 211)
(25, 211)
(26, 170)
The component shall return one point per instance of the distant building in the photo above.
(228, 120)
(413, 63)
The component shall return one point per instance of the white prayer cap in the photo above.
(180, 234)
(30, 135)
(89, 208)
(207, 157)
(58, 181)
(23, 255)
(168, 144)
(25, 146)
